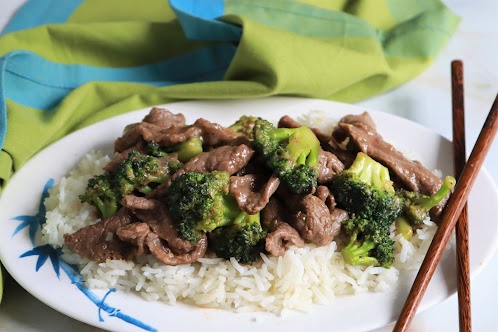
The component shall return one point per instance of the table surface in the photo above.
(426, 100)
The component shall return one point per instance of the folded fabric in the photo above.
(68, 63)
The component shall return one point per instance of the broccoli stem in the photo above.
(356, 254)
(107, 209)
(429, 202)
(188, 149)
(403, 227)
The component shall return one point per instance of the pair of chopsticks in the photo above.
(453, 211)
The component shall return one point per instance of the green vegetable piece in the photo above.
(292, 153)
(188, 149)
(417, 206)
(245, 125)
(244, 239)
(404, 227)
(101, 193)
(366, 192)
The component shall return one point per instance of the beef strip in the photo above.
(311, 218)
(164, 118)
(155, 122)
(225, 158)
(98, 242)
(136, 234)
(328, 166)
(281, 235)
(164, 254)
(282, 238)
(155, 214)
(337, 215)
(250, 191)
(229, 159)
(168, 129)
(362, 131)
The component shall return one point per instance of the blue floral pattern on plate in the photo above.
(44, 252)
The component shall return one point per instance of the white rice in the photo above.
(300, 278)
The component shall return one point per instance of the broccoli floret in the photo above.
(244, 239)
(292, 153)
(141, 172)
(185, 150)
(138, 173)
(200, 202)
(366, 251)
(417, 206)
(155, 150)
(101, 193)
(366, 192)
(245, 125)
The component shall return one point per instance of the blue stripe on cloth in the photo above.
(33, 81)
(38, 12)
(199, 20)
(3, 108)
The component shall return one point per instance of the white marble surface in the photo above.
(427, 100)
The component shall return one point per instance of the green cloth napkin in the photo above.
(103, 58)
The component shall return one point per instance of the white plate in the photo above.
(121, 311)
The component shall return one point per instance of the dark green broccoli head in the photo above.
(376, 249)
(366, 191)
(243, 240)
(101, 193)
(199, 202)
(154, 149)
(140, 171)
(417, 206)
(244, 125)
(292, 153)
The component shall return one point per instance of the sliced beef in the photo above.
(328, 166)
(337, 215)
(214, 134)
(155, 214)
(281, 235)
(311, 218)
(272, 214)
(158, 248)
(363, 133)
(165, 119)
(136, 234)
(251, 192)
(282, 238)
(150, 129)
(98, 242)
(167, 129)
(229, 159)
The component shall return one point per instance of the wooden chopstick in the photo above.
(462, 227)
(451, 214)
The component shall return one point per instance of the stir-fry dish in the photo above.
(181, 193)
